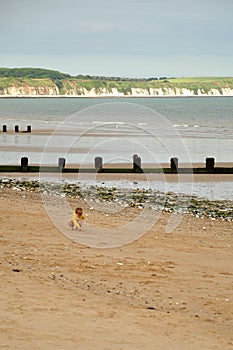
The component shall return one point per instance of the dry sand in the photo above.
(163, 291)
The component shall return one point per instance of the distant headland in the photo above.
(38, 82)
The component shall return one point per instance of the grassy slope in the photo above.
(205, 83)
(125, 86)
(18, 82)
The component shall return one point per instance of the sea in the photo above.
(154, 128)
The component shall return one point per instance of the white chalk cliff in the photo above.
(52, 91)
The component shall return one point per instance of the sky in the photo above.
(126, 38)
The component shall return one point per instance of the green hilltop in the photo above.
(38, 77)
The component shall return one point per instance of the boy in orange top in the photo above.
(77, 219)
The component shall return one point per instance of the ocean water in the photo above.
(156, 129)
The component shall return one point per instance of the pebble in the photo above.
(168, 202)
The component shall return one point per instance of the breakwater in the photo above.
(208, 168)
(16, 129)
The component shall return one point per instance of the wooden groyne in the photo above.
(208, 168)
(16, 129)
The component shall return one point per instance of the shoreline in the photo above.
(114, 97)
(125, 196)
(126, 176)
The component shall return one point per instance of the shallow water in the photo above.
(156, 129)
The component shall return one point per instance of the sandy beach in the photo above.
(162, 291)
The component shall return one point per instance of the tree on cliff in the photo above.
(35, 73)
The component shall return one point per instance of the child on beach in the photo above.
(77, 219)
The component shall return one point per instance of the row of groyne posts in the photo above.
(137, 165)
(99, 167)
(29, 128)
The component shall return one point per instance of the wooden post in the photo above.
(4, 128)
(61, 163)
(98, 163)
(174, 165)
(29, 128)
(24, 164)
(209, 164)
(16, 128)
(137, 164)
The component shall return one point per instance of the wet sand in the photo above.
(124, 176)
(162, 291)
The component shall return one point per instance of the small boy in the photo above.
(77, 219)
